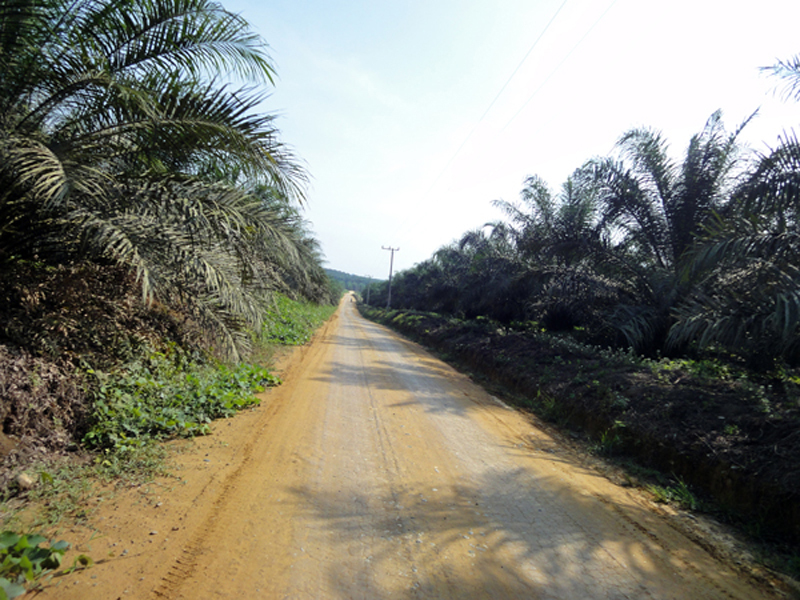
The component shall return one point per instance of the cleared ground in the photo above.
(378, 472)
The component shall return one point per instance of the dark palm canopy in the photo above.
(747, 267)
(121, 141)
(653, 209)
(642, 250)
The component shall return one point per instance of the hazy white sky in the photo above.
(379, 96)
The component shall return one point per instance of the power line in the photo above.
(502, 89)
(554, 71)
(530, 50)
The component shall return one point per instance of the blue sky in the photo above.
(396, 106)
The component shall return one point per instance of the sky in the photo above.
(412, 116)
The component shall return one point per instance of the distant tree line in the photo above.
(640, 250)
(355, 283)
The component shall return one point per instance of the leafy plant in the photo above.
(678, 493)
(549, 408)
(291, 322)
(610, 442)
(158, 398)
(731, 429)
(23, 561)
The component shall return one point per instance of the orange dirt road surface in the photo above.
(377, 472)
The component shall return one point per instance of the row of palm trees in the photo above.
(130, 135)
(641, 250)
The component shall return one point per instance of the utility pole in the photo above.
(391, 265)
(369, 285)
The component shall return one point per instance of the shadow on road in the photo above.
(497, 528)
(426, 384)
(507, 536)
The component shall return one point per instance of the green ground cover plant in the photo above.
(678, 493)
(170, 394)
(159, 397)
(23, 561)
(293, 322)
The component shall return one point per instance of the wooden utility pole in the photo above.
(391, 265)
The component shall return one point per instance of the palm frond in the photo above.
(752, 310)
(789, 72)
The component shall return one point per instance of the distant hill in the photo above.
(355, 283)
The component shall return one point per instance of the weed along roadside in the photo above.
(707, 438)
(131, 449)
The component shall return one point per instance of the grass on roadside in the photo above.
(66, 490)
(166, 396)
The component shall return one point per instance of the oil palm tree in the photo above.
(553, 228)
(747, 299)
(657, 204)
(747, 296)
(560, 241)
(111, 112)
(654, 208)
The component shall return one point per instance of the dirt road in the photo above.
(378, 472)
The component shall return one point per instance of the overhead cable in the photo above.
(554, 71)
(502, 89)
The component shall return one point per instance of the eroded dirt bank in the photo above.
(378, 472)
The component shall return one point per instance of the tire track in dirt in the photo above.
(258, 444)
(184, 566)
